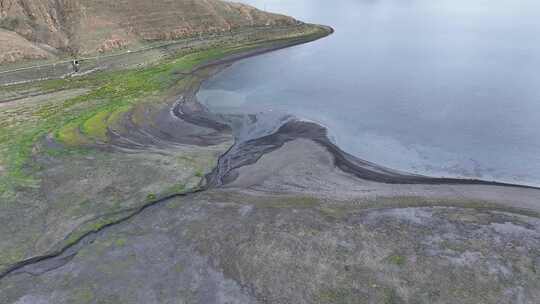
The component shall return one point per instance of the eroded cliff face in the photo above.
(46, 28)
(40, 21)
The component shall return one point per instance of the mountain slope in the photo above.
(14, 47)
(45, 28)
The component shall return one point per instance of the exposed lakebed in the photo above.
(279, 214)
(441, 88)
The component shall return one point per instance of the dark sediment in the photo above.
(180, 122)
(249, 152)
(191, 115)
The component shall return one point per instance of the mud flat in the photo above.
(223, 246)
(285, 218)
(80, 154)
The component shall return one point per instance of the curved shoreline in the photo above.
(243, 154)
(251, 150)
(184, 112)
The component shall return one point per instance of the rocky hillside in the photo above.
(39, 29)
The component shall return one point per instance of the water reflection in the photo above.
(440, 87)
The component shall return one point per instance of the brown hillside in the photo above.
(13, 48)
(89, 26)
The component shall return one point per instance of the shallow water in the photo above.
(437, 87)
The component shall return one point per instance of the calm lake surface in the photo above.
(437, 87)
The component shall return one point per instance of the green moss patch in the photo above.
(96, 126)
(397, 260)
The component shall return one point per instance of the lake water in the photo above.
(437, 87)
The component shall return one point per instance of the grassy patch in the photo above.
(199, 174)
(116, 115)
(96, 126)
(58, 121)
(120, 242)
(92, 226)
(180, 188)
(397, 260)
(85, 119)
(151, 197)
(70, 135)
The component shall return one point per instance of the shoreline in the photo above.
(131, 190)
(147, 135)
(498, 195)
(267, 204)
(241, 156)
(137, 58)
(362, 169)
(297, 128)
